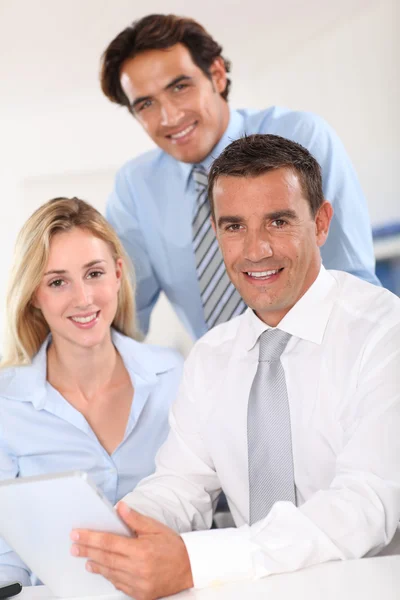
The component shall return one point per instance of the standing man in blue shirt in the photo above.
(171, 75)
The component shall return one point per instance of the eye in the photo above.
(57, 283)
(233, 227)
(143, 106)
(180, 86)
(279, 223)
(94, 274)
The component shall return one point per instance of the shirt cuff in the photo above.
(219, 556)
(286, 540)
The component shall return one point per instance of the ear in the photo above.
(213, 225)
(34, 301)
(118, 271)
(322, 221)
(218, 74)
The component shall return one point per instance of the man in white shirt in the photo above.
(334, 457)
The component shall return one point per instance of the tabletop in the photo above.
(365, 579)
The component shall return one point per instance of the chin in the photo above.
(189, 157)
(90, 339)
(260, 304)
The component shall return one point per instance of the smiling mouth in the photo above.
(87, 319)
(263, 275)
(182, 133)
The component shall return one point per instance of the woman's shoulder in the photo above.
(164, 356)
(159, 359)
(13, 381)
(7, 375)
(24, 381)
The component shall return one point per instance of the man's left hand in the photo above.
(149, 566)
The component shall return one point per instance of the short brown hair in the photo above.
(257, 154)
(157, 32)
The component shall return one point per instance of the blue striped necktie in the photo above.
(269, 435)
(219, 297)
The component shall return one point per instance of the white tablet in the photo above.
(37, 515)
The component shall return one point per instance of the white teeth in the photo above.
(182, 133)
(262, 273)
(84, 319)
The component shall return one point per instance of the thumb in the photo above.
(138, 523)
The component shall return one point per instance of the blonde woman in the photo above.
(77, 388)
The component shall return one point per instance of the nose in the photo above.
(83, 295)
(171, 113)
(257, 246)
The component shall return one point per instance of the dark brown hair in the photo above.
(257, 154)
(157, 32)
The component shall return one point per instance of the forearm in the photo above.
(333, 525)
(174, 501)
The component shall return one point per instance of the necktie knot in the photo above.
(272, 344)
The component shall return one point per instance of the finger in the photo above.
(139, 523)
(120, 579)
(99, 539)
(103, 558)
(124, 582)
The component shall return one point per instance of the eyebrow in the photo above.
(273, 216)
(63, 271)
(171, 84)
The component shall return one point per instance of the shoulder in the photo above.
(366, 323)
(209, 368)
(212, 352)
(304, 127)
(26, 382)
(144, 165)
(376, 307)
(22, 383)
(8, 376)
(279, 116)
(150, 357)
(166, 359)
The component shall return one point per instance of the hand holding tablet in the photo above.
(41, 513)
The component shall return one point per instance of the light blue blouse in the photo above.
(40, 432)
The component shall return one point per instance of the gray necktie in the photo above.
(269, 437)
(219, 297)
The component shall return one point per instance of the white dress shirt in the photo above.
(342, 369)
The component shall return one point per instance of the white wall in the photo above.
(350, 75)
(59, 136)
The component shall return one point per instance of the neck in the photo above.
(223, 126)
(224, 123)
(87, 370)
(225, 118)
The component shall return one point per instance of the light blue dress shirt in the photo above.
(153, 203)
(40, 432)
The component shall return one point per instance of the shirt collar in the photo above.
(234, 131)
(141, 360)
(307, 319)
(28, 383)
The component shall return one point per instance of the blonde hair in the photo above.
(26, 328)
